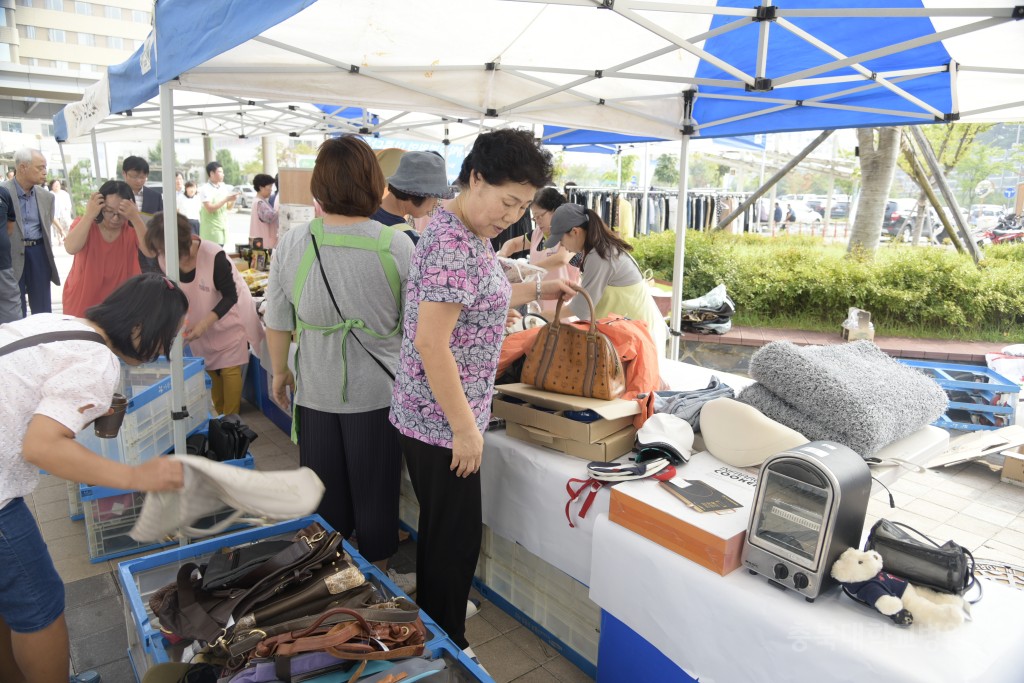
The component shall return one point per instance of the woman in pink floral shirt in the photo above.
(442, 397)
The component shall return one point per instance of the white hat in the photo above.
(257, 497)
(741, 435)
(664, 435)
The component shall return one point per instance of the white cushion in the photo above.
(741, 435)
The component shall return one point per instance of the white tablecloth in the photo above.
(738, 628)
(524, 495)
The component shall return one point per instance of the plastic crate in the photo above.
(979, 398)
(142, 577)
(110, 515)
(74, 501)
(147, 430)
(543, 598)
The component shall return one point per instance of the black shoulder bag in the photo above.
(909, 554)
(50, 337)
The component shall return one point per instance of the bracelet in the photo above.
(538, 291)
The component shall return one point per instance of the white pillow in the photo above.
(742, 436)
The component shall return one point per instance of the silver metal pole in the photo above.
(680, 254)
(171, 256)
(95, 159)
(647, 187)
(940, 180)
(775, 178)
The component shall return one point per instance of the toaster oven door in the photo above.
(793, 512)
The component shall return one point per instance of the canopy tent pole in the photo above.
(64, 165)
(95, 159)
(180, 410)
(926, 186)
(680, 254)
(647, 187)
(774, 179)
(940, 180)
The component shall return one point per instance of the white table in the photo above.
(524, 494)
(723, 629)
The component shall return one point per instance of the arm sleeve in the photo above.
(596, 276)
(448, 266)
(264, 211)
(224, 281)
(91, 381)
(280, 315)
(6, 196)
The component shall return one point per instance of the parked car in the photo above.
(985, 216)
(246, 196)
(900, 215)
(804, 213)
(840, 209)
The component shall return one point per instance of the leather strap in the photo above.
(594, 485)
(51, 337)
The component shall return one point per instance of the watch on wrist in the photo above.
(538, 291)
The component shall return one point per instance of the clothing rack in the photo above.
(622, 209)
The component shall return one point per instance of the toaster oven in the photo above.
(809, 506)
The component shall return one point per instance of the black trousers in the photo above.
(357, 457)
(450, 529)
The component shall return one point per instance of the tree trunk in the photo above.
(878, 150)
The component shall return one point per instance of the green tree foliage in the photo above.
(232, 172)
(81, 185)
(628, 171)
(155, 154)
(705, 172)
(666, 171)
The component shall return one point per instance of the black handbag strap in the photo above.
(330, 293)
(50, 337)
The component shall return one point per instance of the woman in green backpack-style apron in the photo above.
(339, 284)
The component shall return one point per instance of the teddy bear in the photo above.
(860, 573)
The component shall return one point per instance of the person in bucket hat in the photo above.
(413, 190)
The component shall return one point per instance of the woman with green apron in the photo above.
(609, 273)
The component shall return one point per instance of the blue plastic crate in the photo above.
(461, 667)
(147, 430)
(142, 577)
(111, 513)
(979, 397)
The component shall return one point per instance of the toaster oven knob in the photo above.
(781, 571)
(800, 580)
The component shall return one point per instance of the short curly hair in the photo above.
(507, 155)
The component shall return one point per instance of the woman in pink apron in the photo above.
(222, 320)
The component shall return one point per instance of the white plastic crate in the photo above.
(543, 593)
(110, 515)
(74, 501)
(147, 429)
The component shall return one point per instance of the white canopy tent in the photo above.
(662, 69)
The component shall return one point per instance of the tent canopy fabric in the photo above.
(658, 69)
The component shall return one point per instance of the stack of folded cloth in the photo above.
(853, 394)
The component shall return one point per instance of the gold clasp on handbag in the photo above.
(317, 537)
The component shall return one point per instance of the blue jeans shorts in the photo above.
(31, 590)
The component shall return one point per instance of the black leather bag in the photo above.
(908, 553)
(228, 440)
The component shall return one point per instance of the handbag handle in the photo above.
(556, 323)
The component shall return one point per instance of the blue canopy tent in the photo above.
(663, 70)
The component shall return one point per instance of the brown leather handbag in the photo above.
(568, 360)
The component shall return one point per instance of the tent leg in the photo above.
(790, 165)
(96, 175)
(171, 256)
(940, 180)
(677, 262)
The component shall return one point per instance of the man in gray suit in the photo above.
(31, 251)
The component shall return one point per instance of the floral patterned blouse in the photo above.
(451, 265)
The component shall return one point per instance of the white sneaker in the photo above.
(405, 582)
(476, 660)
(472, 607)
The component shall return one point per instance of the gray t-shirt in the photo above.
(362, 291)
(597, 273)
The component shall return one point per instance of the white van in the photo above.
(985, 216)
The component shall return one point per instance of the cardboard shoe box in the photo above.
(541, 421)
(711, 539)
(1013, 466)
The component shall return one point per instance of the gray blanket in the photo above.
(853, 394)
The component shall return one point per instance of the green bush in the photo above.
(798, 281)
